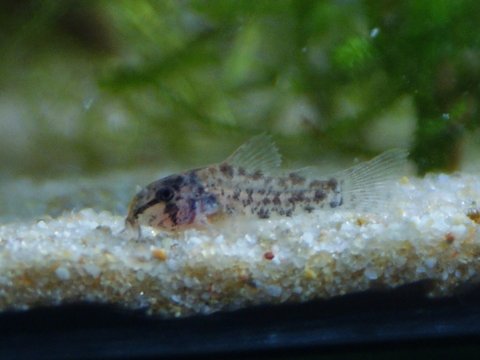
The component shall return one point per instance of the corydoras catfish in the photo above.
(250, 183)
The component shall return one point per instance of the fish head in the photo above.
(173, 203)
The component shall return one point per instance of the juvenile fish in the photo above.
(249, 183)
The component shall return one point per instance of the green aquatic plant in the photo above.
(121, 84)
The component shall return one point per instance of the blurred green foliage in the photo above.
(101, 84)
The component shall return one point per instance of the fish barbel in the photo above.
(249, 182)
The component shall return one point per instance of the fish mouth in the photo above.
(135, 210)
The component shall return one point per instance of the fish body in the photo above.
(250, 183)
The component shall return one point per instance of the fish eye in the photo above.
(164, 194)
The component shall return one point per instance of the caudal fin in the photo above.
(369, 185)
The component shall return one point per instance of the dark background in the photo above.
(373, 325)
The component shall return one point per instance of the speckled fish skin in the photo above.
(173, 203)
(239, 191)
(248, 183)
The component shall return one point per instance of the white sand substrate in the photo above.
(429, 230)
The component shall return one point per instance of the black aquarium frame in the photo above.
(379, 322)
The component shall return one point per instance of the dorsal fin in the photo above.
(258, 153)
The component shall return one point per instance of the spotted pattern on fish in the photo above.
(249, 194)
(246, 183)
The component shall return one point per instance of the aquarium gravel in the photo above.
(429, 230)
